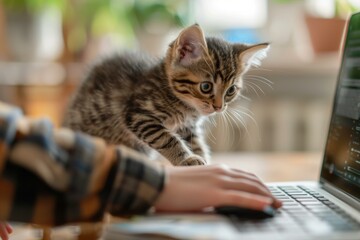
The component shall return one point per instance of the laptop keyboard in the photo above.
(303, 210)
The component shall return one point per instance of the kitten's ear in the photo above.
(190, 45)
(253, 54)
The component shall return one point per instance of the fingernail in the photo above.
(269, 210)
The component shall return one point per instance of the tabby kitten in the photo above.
(159, 105)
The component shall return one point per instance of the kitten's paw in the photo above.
(193, 161)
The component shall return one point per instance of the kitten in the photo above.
(159, 105)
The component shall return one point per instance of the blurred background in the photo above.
(47, 45)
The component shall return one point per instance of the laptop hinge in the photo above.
(341, 195)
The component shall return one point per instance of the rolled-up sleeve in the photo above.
(55, 176)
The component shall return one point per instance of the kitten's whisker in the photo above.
(238, 113)
(236, 116)
(243, 108)
(225, 127)
(248, 85)
(237, 128)
(230, 129)
(258, 87)
(234, 121)
(256, 68)
(212, 120)
(230, 122)
(267, 84)
(211, 136)
(260, 77)
(248, 78)
(243, 97)
(260, 80)
(254, 85)
(242, 121)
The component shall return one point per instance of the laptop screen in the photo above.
(341, 165)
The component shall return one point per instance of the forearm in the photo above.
(58, 176)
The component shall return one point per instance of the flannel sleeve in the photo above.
(55, 176)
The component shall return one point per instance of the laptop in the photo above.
(327, 209)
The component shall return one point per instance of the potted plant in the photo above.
(324, 21)
(152, 21)
(326, 32)
(139, 22)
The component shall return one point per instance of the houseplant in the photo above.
(129, 23)
(326, 32)
(152, 21)
(325, 22)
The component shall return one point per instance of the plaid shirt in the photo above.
(53, 177)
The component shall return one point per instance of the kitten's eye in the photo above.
(206, 87)
(231, 91)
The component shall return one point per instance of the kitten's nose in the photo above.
(217, 108)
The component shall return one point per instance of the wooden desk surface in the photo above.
(275, 167)
(270, 167)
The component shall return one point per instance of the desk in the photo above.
(275, 167)
(270, 167)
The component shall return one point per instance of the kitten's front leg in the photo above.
(168, 144)
(195, 139)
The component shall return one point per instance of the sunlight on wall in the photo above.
(227, 14)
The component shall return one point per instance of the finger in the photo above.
(244, 199)
(242, 174)
(246, 186)
(252, 187)
(8, 227)
(3, 232)
(237, 173)
(277, 203)
(223, 169)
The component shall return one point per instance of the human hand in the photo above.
(195, 188)
(5, 230)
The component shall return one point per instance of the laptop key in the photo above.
(283, 198)
(288, 200)
(304, 198)
(301, 200)
(287, 187)
(314, 203)
(277, 193)
(294, 192)
(321, 198)
(293, 206)
(299, 195)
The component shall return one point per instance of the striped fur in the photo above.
(159, 104)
